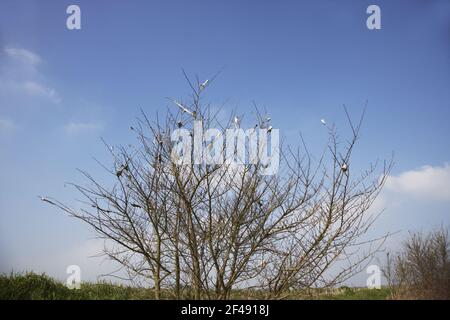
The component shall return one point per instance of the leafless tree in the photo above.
(202, 230)
(422, 269)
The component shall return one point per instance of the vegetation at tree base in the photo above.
(31, 286)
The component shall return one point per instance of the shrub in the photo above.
(422, 269)
(31, 286)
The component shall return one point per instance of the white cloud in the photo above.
(21, 77)
(38, 89)
(6, 125)
(425, 183)
(77, 128)
(24, 56)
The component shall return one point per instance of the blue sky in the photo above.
(62, 90)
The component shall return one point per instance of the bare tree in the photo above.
(422, 269)
(202, 230)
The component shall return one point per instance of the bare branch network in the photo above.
(203, 230)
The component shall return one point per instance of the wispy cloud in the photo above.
(38, 89)
(425, 183)
(25, 56)
(78, 128)
(21, 76)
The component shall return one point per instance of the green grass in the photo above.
(31, 286)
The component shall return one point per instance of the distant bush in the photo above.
(422, 269)
(31, 286)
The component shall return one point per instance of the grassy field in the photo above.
(31, 286)
(346, 293)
